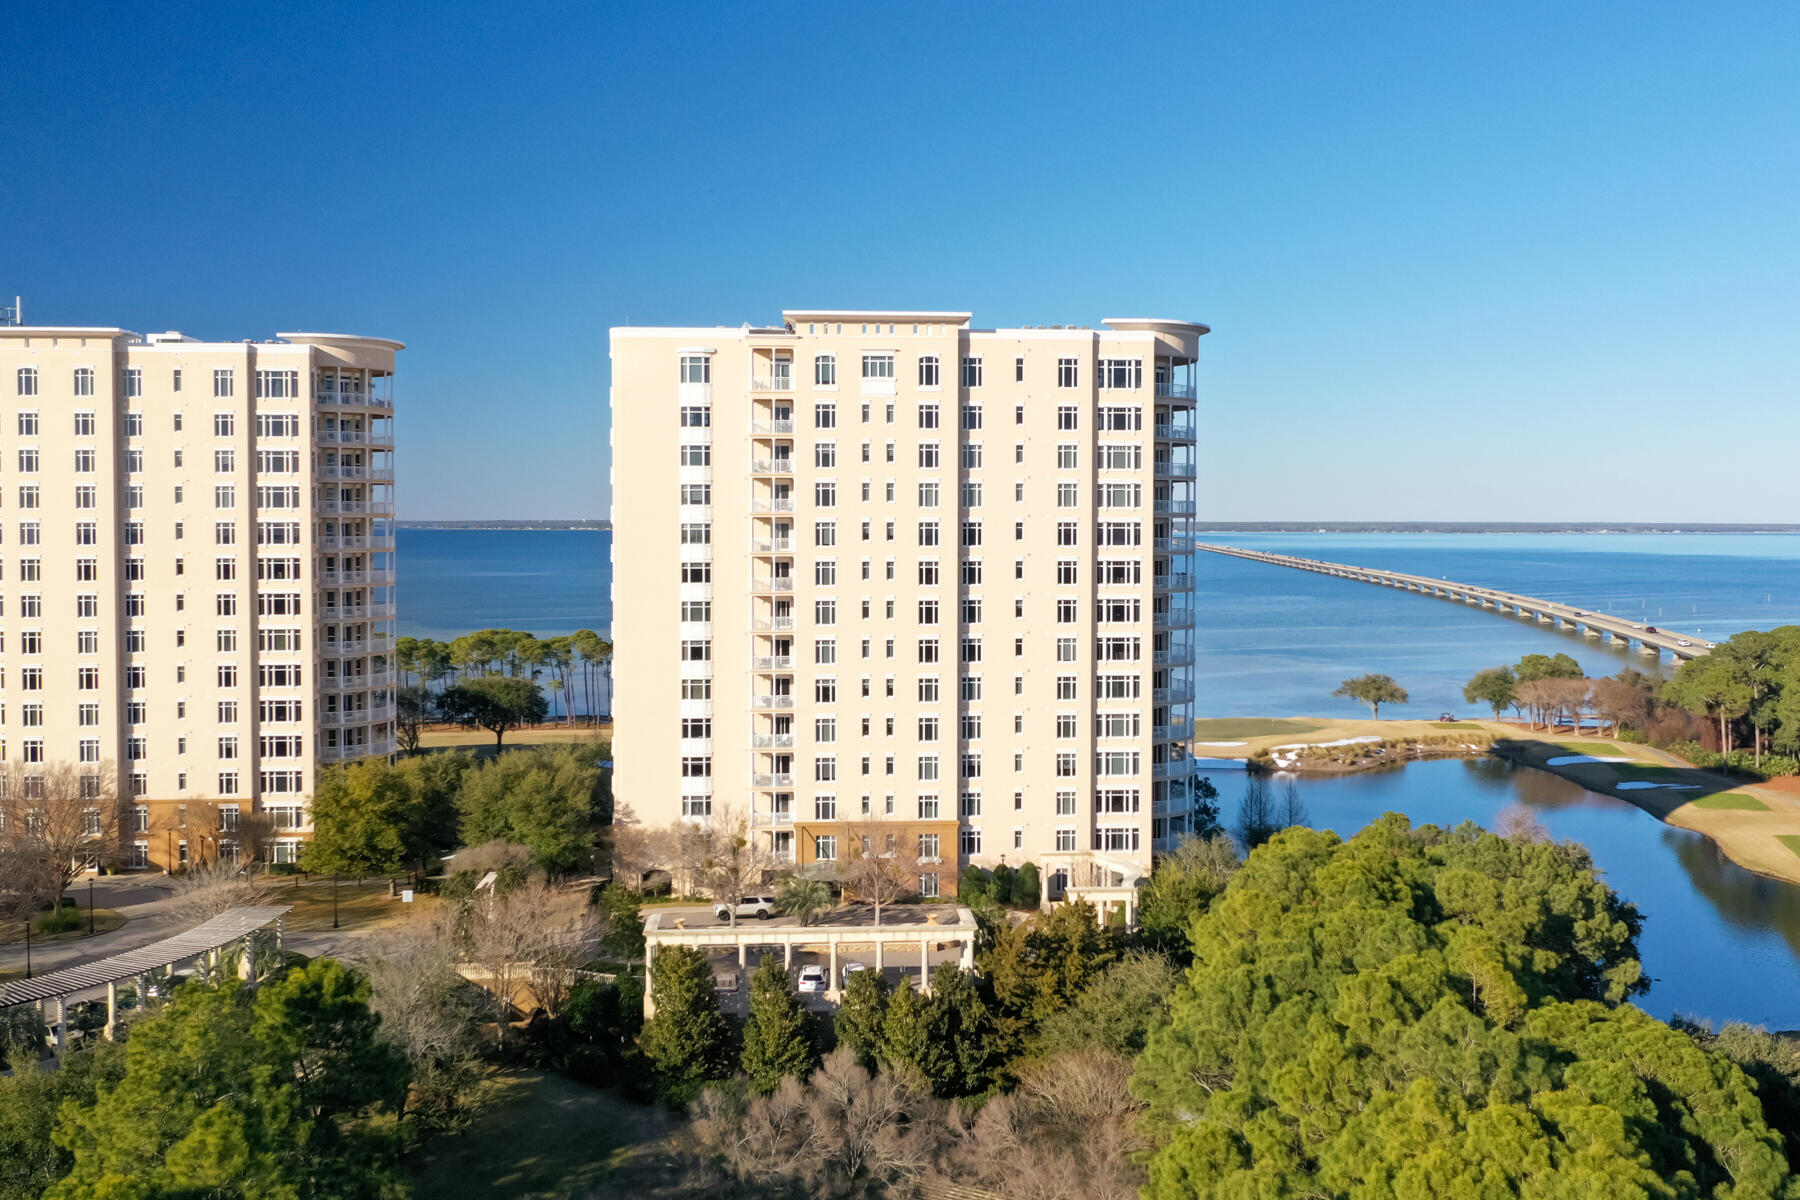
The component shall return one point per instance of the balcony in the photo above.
(1177, 433)
(769, 427)
(777, 662)
(343, 506)
(348, 577)
(1177, 619)
(1168, 389)
(340, 541)
(1170, 733)
(1174, 508)
(1173, 658)
(361, 716)
(356, 399)
(765, 624)
(1173, 545)
(771, 741)
(356, 683)
(383, 748)
(1179, 769)
(1179, 694)
(781, 583)
(357, 612)
(772, 506)
(778, 382)
(343, 649)
(1173, 583)
(771, 780)
(1175, 470)
(771, 818)
(771, 702)
(771, 466)
(378, 474)
(780, 545)
(344, 437)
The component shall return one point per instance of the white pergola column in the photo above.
(832, 981)
(60, 1031)
(925, 964)
(743, 950)
(968, 954)
(787, 952)
(112, 1008)
(879, 947)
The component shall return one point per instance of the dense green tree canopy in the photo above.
(495, 703)
(778, 1036)
(286, 1094)
(366, 820)
(1428, 1013)
(1372, 690)
(1494, 687)
(1180, 889)
(552, 799)
(687, 1039)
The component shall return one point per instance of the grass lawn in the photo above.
(105, 921)
(540, 1136)
(1224, 728)
(359, 904)
(1732, 800)
(452, 737)
(1790, 840)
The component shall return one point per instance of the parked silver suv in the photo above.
(760, 907)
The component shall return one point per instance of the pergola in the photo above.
(204, 941)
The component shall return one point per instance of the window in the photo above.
(84, 385)
(28, 495)
(928, 371)
(825, 845)
(878, 366)
(1121, 495)
(825, 370)
(1124, 420)
(928, 729)
(697, 455)
(28, 384)
(696, 533)
(928, 852)
(929, 416)
(1068, 416)
(1068, 533)
(278, 462)
(28, 461)
(929, 493)
(1120, 570)
(825, 416)
(1068, 612)
(222, 382)
(28, 421)
(696, 416)
(696, 493)
(825, 455)
(1117, 687)
(971, 372)
(928, 533)
(1068, 495)
(1120, 372)
(1065, 840)
(224, 461)
(825, 572)
(1067, 456)
(1068, 372)
(277, 424)
(696, 650)
(696, 368)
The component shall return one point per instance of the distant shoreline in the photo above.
(1488, 527)
(510, 526)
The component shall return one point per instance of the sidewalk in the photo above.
(143, 901)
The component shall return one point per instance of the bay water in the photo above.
(1720, 942)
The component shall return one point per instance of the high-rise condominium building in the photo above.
(880, 576)
(198, 574)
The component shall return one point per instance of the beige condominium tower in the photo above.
(882, 571)
(198, 575)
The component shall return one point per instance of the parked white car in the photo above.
(760, 907)
(814, 979)
(851, 968)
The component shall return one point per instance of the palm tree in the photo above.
(803, 898)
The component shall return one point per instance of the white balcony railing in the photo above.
(772, 702)
(775, 662)
(1179, 694)
(1173, 658)
(772, 466)
(354, 399)
(768, 427)
(1175, 470)
(1173, 545)
(1175, 508)
(765, 624)
(771, 545)
(784, 583)
(1170, 390)
(344, 648)
(771, 506)
(1174, 583)
(778, 382)
(1178, 619)
(1177, 433)
(771, 741)
(771, 780)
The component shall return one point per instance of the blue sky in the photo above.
(1506, 262)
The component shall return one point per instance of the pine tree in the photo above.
(961, 1027)
(778, 1038)
(906, 1040)
(1027, 888)
(860, 1018)
(688, 1039)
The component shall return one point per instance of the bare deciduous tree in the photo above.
(723, 857)
(59, 818)
(208, 889)
(1070, 1129)
(844, 1133)
(1620, 704)
(637, 849)
(881, 864)
(1516, 823)
(531, 936)
(428, 1010)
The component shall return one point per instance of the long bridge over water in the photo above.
(1651, 640)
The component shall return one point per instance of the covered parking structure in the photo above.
(206, 941)
(904, 930)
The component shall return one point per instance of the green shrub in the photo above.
(60, 921)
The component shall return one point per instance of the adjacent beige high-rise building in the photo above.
(881, 574)
(198, 574)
